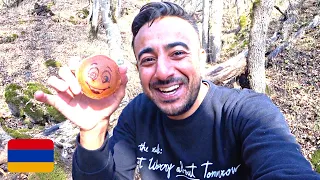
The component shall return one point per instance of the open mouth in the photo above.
(96, 90)
(169, 90)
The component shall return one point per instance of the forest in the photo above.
(270, 46)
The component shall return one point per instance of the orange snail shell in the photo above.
(99, 76)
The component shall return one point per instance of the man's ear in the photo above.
(203, 61)
(203, 55)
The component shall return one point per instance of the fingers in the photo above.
(45, 98)
(60, 101)
(123, 69)
(123, 75)
(58, 84)
(124, 79)
(74, 63)
(66, 74)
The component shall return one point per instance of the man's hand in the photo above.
(91, 115)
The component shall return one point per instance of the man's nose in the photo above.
(164, 69)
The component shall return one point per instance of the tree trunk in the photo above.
(115, 9)
(257, 44)
(94, 18)
(205, 23)
(215, 27)
(224, 72)
(119, 8)
(291, 18)
(191, 6)
(112, 33)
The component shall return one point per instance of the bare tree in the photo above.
(109, 23)
(112, 32)
(119, 8)
(257, 44)
(115, 6)
(191, 6)
(290, 18)
(215, 28)
(94, 18)
(205, 23)
(109, 10)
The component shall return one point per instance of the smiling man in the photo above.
(168, 56)
(181, 126)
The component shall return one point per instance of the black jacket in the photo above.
(234, 134)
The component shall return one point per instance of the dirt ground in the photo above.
(294, 80)
(294, 76)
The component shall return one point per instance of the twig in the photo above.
(285, 15)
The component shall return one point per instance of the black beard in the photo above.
(186, 107)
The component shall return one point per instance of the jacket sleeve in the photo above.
(92, 164)
(115, 159)
(268, 148)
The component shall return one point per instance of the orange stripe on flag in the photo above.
(30, 166)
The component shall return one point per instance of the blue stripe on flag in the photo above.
(30, 156)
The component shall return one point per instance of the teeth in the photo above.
(168, 89)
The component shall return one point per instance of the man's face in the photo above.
(168, 59)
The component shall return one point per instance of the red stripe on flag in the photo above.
(30, 144)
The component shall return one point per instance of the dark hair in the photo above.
(151, 11)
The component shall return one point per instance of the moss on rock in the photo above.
(52, 63)
(15, 133)
(83, 13)
(35, 112)
(22, 104)
(33, 87)
(11, 96)
(55, 114)
(8, 39)
(18, 134)
(243, 21)
(315, 160)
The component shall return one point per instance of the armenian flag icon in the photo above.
(30, 155)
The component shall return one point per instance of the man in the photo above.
(181, 127)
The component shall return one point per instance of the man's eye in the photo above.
(178, 53)
(147, 61)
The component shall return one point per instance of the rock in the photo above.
(63, 135)
(4, 113)
(42, 10)
(51, 130)
(4, 138)
(315, 22)
(21, 103)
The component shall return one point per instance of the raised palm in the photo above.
(78, 108)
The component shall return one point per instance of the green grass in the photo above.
(58, 172)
